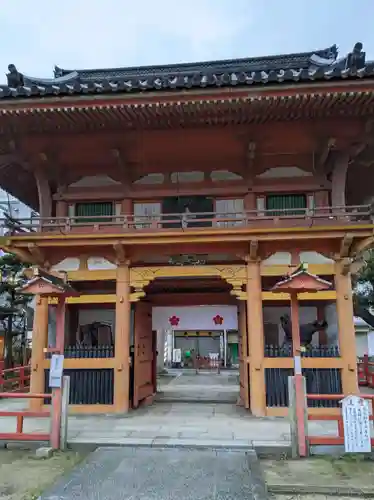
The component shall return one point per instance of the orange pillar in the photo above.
(244, 386)
(122, 340)
(255, 333)
(347, 336)
(39, 343)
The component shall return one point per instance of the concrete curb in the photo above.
(308, 489)
(263, 450)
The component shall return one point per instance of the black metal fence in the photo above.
(88, 387)
(273, 351)
(102, 351)
(318, 381)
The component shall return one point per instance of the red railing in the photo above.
(20, 415)
(365, 372)
(355, 214)
(15, 379)
(339, 439)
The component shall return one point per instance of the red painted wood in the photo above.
(144, 352)
(14, 436)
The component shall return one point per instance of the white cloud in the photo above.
(96, 33)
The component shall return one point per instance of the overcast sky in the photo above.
(108, 33)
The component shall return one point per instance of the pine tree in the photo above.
(12, 303)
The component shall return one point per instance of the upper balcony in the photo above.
(319, 218)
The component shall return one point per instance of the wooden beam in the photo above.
(23, 255)
(361, 246)
(253, 250)
(37, 255)
(345, 246)
(120, 252)
(326, 148)
(250, 160)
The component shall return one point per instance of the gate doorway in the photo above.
(185, 348)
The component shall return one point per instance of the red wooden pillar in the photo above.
(57, 391)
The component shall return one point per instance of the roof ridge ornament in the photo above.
(356, 59)
(14, 77)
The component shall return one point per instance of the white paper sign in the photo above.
(355, 412)
(56, 370)
(177, 355)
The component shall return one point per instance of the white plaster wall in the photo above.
(69, 264)
(195, 317)
(280, 258)
(95, 181)
(99, 264)
(314, 258)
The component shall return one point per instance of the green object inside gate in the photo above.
(287, 204)
(95, 212)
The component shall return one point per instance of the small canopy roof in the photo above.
(301, 280)
(48, 285)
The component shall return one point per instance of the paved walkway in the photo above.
(187, 386)
(146, 473)
(175, 424)
(189, 412)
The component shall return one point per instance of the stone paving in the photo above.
(178, 422)
(149, 473)
(188, 386)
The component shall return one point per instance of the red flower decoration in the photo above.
(218, 320)
(174, 320)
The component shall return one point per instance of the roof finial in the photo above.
(15, 79)
(356, 58)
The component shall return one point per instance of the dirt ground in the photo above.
(352, 471)
(23, 477)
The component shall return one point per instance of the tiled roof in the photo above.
(290, 68)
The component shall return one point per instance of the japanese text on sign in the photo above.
(356, 423)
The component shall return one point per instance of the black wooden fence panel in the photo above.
(318, 381)
(102, 351)
(272, 351)
(88, 387)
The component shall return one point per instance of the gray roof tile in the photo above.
(302, 67)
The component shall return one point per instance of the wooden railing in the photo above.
(15, 379)
(20, 415)
(339, 438)
(357, 214)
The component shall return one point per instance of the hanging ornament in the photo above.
(174, 321)
(218, 320)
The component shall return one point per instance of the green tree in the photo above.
(12, 303)
(364, 290)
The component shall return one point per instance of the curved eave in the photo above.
(203, 80)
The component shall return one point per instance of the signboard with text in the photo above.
(56, 370)
(355, 411)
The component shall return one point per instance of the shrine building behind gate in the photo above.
(199, 184)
